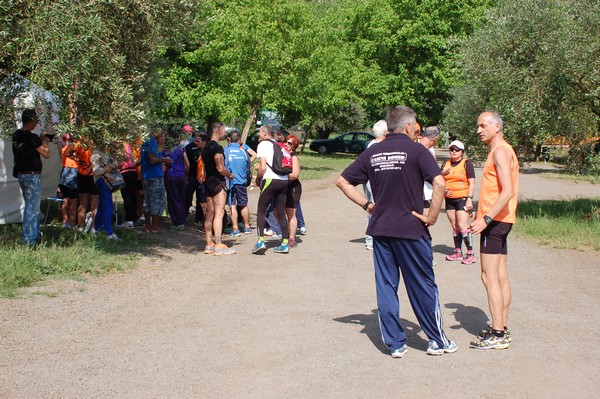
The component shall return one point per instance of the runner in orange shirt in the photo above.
(495, 217)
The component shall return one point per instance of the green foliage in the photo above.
(325, 65)
(408, 46)
(95, 55)
(561, 224)
(535, 62)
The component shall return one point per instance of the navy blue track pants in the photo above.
(414, 258)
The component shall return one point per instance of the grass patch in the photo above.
(571, 177)
(63, 253)
(316, 166)
(561, 224)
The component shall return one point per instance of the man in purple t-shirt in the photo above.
(396, 169)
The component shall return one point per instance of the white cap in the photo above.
(458, 144)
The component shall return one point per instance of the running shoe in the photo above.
(235, 233)
(248, 230)
(369, 247)
(490, 341)
(269, 232)
(292, 243)
(400, 352)
(435, 350)
(113, 237)
(482, 334)
(469, 259)
(456, 255)
(277, 236)
(128, 225)
(223, 249)
(282, 249)
(178, 227)
(209, 249)
(302, 231)
(259, 248)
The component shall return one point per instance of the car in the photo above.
(252, 139)
(351, 142)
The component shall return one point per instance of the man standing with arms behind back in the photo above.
(396, 168)
(27, 148)
(495, 217)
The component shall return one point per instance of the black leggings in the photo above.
(277, 190)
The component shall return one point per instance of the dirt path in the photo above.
(188, 325)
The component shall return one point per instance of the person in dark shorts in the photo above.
(68, 184)
(495, 217)
(294, 190)
(396, 169)
(272, 187)
(88, 193)
(215, 184)
(459, 174)
(238, 162)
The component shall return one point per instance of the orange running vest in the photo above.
(490, 188)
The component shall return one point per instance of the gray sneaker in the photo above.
(435, 350)
(223, 249)
(400, 352)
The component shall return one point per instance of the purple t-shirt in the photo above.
(396, 169)
(177, 167)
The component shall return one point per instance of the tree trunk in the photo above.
(324, 132)
(305, 136)
(250, 119)
(538, 152)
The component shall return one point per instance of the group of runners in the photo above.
(403, 198)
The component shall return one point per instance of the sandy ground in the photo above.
(188, 325)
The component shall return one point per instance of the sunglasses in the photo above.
(455, 149)
(289, 142)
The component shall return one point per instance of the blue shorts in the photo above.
(238, 195)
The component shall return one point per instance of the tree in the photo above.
(407, 47)
(536, 62)
(95, 55)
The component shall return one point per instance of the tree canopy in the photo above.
(96, 56)
(538, 64)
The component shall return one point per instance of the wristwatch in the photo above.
(487, 219)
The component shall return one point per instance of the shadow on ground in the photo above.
(370, 323)
(468, 318)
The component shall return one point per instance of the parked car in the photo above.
(252, 139)
(351, 142)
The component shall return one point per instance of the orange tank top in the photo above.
(457, 183)
(84, 160)
(66, 161)
(491, 188)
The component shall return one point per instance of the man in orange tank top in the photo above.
(495, 217)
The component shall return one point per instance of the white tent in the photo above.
(46, 106)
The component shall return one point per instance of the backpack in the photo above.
(282, 159)
(248, 168)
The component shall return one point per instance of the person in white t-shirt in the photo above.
(379, 130)
(272, 186)
(429, 138)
